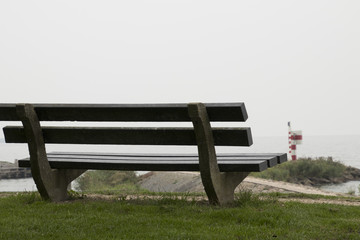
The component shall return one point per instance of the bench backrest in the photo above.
(223, 112)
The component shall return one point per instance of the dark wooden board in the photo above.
(126, 112)
(150, 164)
(131, 136)
(279, 157)
(271, 160)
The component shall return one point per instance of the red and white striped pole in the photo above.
(295, 138)
(292, 146)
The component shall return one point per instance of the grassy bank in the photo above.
(26, 217)
(310, 171)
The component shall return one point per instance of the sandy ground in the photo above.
(191, 182)
(263, 185)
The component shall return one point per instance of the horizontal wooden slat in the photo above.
(126, 112)
(280, 157)
(8, 112)
(271, 159)
(138, 136)
(136, 164)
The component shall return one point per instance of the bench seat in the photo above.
(157, 162)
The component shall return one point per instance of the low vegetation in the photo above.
(25, 216)
(308, 171)
(107, 181)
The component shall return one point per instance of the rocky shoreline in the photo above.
(6, 165)
(351, 174)
(11, 171)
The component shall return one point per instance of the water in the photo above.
(345, 149)
(17, 185)
(351, 187)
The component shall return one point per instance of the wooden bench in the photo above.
(53, 172)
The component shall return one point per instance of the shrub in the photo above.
(304, 168)
(100, 179)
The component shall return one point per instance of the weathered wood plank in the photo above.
(274, 158)
(281, 157)
(271, 160)
(126, 112)
(138, 136)
(150, 164)
(8, 112)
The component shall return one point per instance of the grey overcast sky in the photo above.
(287, 60)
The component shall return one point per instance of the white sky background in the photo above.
(287, 60)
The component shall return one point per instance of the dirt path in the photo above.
(322, 201)
(284, 186)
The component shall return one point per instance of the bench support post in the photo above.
(219, 187)
(51, 184)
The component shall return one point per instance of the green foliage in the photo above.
(105, 180)
(246, 197)
(305, 168)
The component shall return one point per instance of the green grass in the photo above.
(252, 216)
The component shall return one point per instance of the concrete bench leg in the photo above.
(219, 187)
(52, 184)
